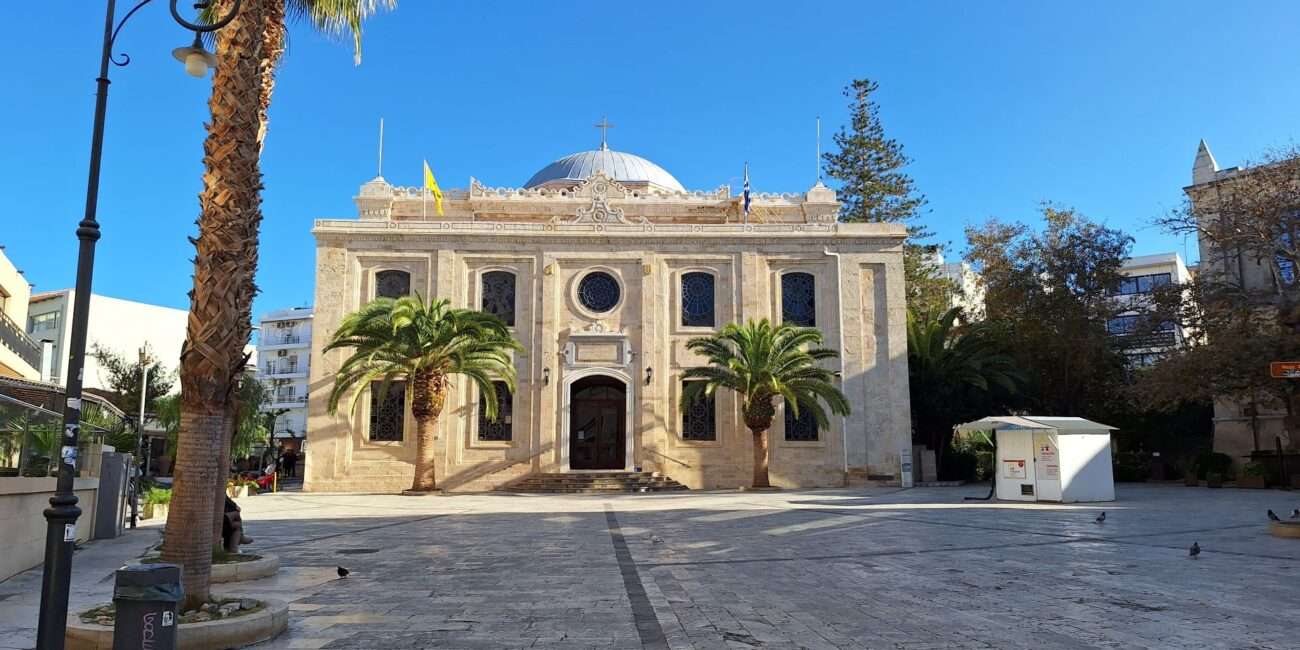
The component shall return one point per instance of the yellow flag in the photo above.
(432, 185)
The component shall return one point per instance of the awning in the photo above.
(1066, 425)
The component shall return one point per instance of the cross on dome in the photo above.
(604, 126)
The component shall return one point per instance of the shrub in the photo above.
(1254, 469)
(1132, 467)
(158, 496)
(969, 458)
(1213, 463)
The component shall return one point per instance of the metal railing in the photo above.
(13, 337)
(284, 339)
(286, 369)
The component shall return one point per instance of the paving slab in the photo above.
(851, 568)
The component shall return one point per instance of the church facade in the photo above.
(604, 266)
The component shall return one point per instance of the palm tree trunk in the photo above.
(428, 395)
(224, 263)
(760, 459)
(272, 50)
(758, 413)
(187, 541)
(223, 473)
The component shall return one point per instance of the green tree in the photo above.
(423, 344)
(874, 188)
(868, 165)
(761, 363)
(225, 261)
(123, 377)
(1050, 292)
(1243, 309)
(956, 374)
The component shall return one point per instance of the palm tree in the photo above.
(761, 362)
(424, 344)
(225, 262)
(955, 375)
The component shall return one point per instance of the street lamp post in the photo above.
(138, 473)
(61, 516)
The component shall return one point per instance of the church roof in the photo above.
(622, 167)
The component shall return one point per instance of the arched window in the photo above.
(799, 299)
(498, 295)
(803, 427)
(387, 415)
(697, 299)
(392, 284)
(699, 418)
(500, 429)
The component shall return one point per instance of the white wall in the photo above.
(124, 325)
(1086, 472)
(1015, 445)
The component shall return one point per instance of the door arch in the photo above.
(596, 423)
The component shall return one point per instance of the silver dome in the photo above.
(622, 167)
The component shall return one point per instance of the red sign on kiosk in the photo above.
(1284, 369)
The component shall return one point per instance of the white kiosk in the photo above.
(1050, 458)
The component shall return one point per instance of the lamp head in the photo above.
(196, 58)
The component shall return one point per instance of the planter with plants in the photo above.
(222, 622)
(234, 567)
(1253, 475)
(156, 502)
(1191, 480)
(1214, 480)
(239, 488)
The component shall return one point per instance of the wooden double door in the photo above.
(597, 423)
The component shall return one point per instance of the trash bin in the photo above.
(146, 597)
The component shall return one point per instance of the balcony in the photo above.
(13, 337)
(288, 401)
(274, 339)
(1166, 339)
(284, 370)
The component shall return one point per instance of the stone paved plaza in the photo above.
(793, 569)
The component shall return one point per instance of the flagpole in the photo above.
(817, 159)
(381, 147)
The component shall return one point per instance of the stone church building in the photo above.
(604, 266)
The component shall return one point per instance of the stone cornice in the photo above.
(348, 232)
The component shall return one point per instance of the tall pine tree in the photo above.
(868, 165)
(874, 188)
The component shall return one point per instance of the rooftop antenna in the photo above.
(381, 147)
(604, 126)
(818, 160)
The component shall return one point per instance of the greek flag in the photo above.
(745, 194)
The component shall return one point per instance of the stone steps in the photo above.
(594, 483)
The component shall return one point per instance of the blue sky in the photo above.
(1001, 105)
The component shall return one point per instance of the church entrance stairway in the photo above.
(594, 483)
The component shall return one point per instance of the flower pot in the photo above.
(237, 491)
(1252, 482)
(160, 511)
(1191, 481)
(1213, 480)
(147, 512)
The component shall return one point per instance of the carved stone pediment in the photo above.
(600, 189)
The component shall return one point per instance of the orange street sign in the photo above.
(1284, 369)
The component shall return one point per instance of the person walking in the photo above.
(290, 463)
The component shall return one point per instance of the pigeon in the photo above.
(1194, 551)
(1272, 516)
(655, 539)
(343, 573)
(1295, 514)
(1101, 518)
